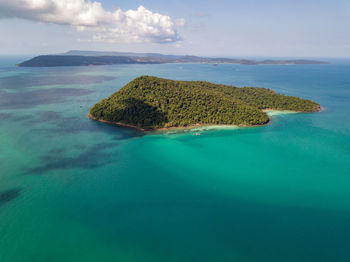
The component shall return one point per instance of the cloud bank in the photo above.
(140, 25)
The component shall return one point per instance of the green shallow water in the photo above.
(72, 189)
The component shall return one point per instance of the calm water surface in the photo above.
(72, 189)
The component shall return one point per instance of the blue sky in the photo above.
(214, 28)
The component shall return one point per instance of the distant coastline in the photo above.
(91, 58)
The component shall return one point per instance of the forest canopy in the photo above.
(151, 103)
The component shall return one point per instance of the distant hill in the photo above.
(151, 103)
(85, 58)
(108, 53)
(72, 60)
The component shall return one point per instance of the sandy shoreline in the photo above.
(197, 126)
(269, 112)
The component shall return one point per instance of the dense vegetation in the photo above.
(150, 103)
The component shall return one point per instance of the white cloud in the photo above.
(140, 25)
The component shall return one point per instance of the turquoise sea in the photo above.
(72, 189)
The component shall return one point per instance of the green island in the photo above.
(151, 103)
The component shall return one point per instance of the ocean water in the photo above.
(72, 189)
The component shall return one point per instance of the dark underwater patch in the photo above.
(29, 99)
(22, 118)
(93, 157)
(28, 80)
(4, 116)
(9, 195)
(59, 124)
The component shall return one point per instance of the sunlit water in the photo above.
(72, 189)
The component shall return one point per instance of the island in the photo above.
(94, 58)
(152, 103)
